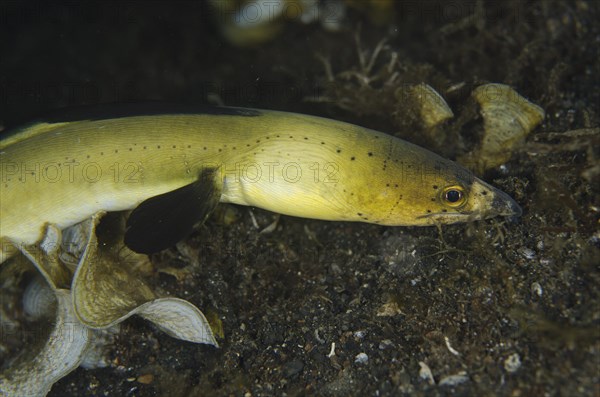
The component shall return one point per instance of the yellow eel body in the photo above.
(65, 170)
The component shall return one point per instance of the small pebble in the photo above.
(536, 288)
(425, 373)
(454, 380)
(512, 363)
(528, 253)
(145, 379)
(361, 358)
(389, 309)
(385, 344)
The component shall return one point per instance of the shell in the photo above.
(432, 108)
(38, 299)
(62, 353)
(105, 291)
(507, 119)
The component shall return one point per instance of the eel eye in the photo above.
(453, 196)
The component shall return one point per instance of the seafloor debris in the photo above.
(62, 353)
(432, 108)
(425, 373)
(252, 22)
(454, 380)
(103, 293)
(507, 119)
(423, 107)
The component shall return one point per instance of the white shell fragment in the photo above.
(425, 373)
(508, 118)
(179, 319)
(450, 348)
(453, 380)
(61, 354)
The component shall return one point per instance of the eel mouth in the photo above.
(491, 201)
(504, 205)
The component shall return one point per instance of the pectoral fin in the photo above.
(162, 221)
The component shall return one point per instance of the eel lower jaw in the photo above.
(449, 217)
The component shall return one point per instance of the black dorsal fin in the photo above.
(161, 221)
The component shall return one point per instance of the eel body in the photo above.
(172, 166)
